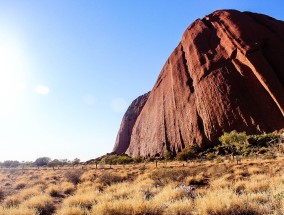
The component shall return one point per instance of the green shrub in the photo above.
(210, 156)
(138, 159)
(117, 159)
(263, 140)
(242, 144)
(233, 139)
(168, 155)
(188, 153)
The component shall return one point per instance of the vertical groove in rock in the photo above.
(181, 139)
(189, 79)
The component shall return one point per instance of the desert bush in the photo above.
(263, 140)
(188, 153)
(29, 192)
(11, 201)
(234, 142)
(54, 163)
(198, 180)
(138, 159)
(107, 178)
(67, 187)
(116, 159)
(42, 161)
(210, 156)
(2, 195)
(168, 155)
(76, 161)
(165, 176)
(20, 185)
(43, 203)
(53, 190)
(83, 200)
(241, 144)
(73, 176)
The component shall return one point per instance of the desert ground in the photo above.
(219, 186)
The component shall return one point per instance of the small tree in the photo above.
(188, 153)
(42, 161)
(54, 163)
(15, 164)
(234, 142)
(10, 163)
(64, 161)
(27, 163)
(76, 161)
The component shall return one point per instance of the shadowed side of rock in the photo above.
(123, 137)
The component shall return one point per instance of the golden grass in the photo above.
(71, 211)
(42, 203)
(18, 211)
(220, 188)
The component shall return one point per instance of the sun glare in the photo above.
(12, 71)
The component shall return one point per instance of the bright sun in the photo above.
(12, 69)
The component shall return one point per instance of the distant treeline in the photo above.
(39, 162)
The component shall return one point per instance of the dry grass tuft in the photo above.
(42, 203)
(107, 178)
(71, 211)
(74, 176)
(68, 187)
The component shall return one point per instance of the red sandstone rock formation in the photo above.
(123, 138)
(226, 74)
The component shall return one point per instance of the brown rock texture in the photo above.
(227, 73)
(123, 138)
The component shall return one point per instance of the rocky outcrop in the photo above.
(226, 74)
(123, 138)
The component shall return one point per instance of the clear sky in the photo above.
(69, 69)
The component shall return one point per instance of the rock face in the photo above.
(227, 73)
(123, 138)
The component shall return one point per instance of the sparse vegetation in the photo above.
(42, 161)
(73, 176)
(254, 186)
(189, 153)
(116, 159)
(216, 185)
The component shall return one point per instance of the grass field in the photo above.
(254, 186)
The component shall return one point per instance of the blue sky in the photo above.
(69, 69)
